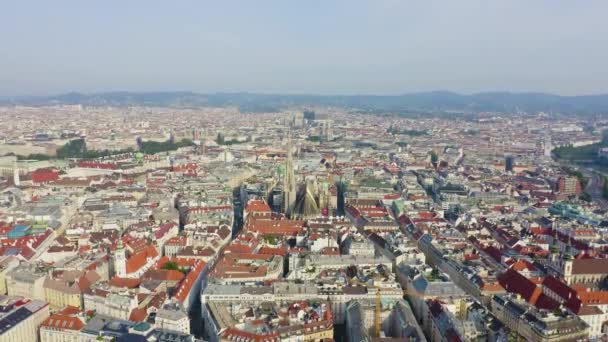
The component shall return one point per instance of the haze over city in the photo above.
(311, 47)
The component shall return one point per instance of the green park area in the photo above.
(77, 149)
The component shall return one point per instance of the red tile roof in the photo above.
(515, 282)
(568, 294)
(330, 251)
(494, 253)
(522, 265)
(45, 175)
(590, 266)
(164, 229)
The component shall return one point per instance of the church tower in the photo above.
(16, 178)
(120, 261)
(289, 182)
(547, 145)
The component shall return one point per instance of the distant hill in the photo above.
(437, 101)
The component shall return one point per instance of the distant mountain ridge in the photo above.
(434, 101)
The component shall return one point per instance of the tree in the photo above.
(221, 140)
(152, 147)
(34, 156)
(587, 152)
(171, 265)
(434, 274)
(514, 337)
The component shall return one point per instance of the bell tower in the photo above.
(120, 261)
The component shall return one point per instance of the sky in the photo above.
(303, 46)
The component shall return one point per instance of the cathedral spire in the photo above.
(289, 183)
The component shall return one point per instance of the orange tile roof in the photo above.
(136, 245)
(241, 246)
(138, 315)
(593, 297)
(180, 261)
(184, 262)
(282, 251)
(63, 321)
(161, 262)
(257, 206)
(130, 283)
(177, 241)
(237, 265)
(164, 275)
(138, 260)
(183, 289)
(492, 287)
(70, 310)
(277, 227)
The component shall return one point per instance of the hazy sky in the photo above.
(303, 46)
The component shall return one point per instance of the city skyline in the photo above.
(282, 170)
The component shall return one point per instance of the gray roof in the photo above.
(100, 323)
(164, 335)
(213, 289)
(172, 313)
(45, 210)
(26, 273)
(437, 288)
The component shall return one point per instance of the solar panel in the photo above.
(13, 319)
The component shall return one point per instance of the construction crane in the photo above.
(378, 312)
(378, 308)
